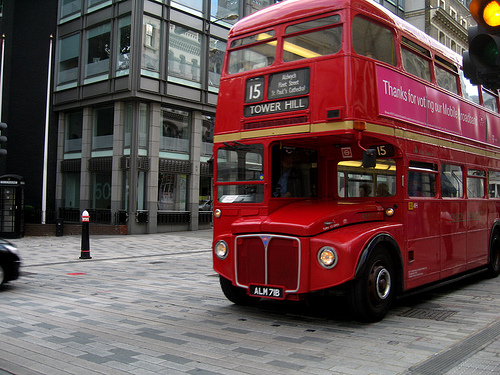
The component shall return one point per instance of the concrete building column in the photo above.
(194, 180)
(134, 227)
(60, 157)
(116, 172)
(85, 175)
(155, 127)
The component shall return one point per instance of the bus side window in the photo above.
(490, 100)
(494, 184)
(446, 79)
(356, 181)
(475, 183)
(422, 179)
(372, 40)
(469, 91)
(451, 181)
(416, 59)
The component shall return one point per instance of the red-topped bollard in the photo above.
(85, 253)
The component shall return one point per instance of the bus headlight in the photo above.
(327, 257)
(221, 250)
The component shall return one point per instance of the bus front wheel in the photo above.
(373, 290)
(494, 265)
(236, 295)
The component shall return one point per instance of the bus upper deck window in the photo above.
(469, 91)
(490, 100)
(313, 43)
(446, 75)
(374, 41)
(416, 59)
(254, 56)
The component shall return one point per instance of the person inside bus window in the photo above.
(382, 190)
(365, 190)
(414, 187)
(289, 183)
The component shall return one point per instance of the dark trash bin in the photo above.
(59, 227)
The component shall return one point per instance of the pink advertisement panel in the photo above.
(493, 129)
(400, 97)
(472, 121)
(406, 99)
(443, 111)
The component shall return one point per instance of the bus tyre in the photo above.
(236, 295)
(494, 264)
(373, 290)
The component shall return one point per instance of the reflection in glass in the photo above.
(175, 131)
(73, 132)
(215, 61)
(98, 50)
(184, 54)
(123, 52)
(151, 46)
(68, 59)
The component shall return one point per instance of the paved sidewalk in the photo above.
(151, 304)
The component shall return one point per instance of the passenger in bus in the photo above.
(365, 190)
(382, 190)
(289, 183)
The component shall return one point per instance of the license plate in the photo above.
(266, 292)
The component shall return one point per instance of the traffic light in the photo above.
(481, 62)
(3, 138)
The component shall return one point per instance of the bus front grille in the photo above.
(268, 260)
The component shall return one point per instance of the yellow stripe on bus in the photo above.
(349, 125)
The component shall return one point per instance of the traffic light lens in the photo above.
(491, 14)
(484, 50)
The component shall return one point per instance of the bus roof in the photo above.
(290, 10)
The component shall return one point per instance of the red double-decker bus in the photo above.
(351, 156)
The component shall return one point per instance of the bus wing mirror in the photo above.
(211, 166)
(369, 158)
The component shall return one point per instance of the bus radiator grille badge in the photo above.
(265, 240)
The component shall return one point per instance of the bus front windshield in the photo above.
(294, 172)
(240, 173)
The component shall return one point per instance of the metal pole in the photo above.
(2, 65)
(46, 143)
(85, 245)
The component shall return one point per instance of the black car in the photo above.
(10, 263)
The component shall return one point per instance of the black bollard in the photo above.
(85, 253)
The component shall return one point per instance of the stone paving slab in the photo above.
(152, 304)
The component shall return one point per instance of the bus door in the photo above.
(453, 220)
(422, 224)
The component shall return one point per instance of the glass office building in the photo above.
(135, 91)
